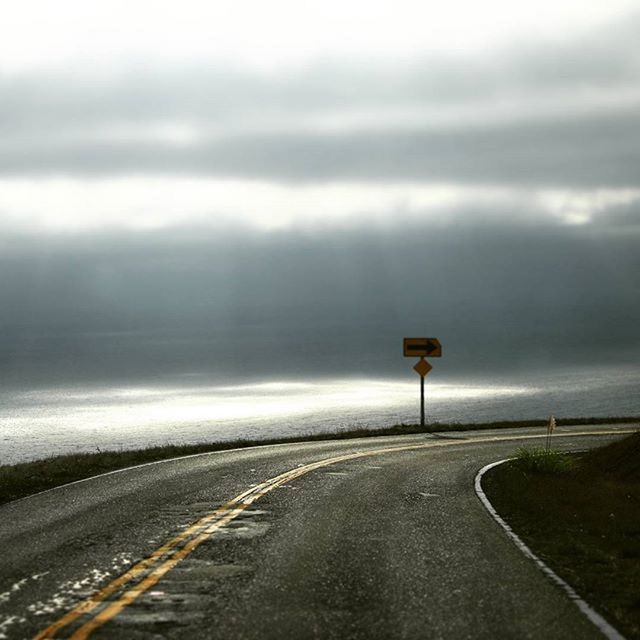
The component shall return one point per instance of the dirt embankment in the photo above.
(584, 522)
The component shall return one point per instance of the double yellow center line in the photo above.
(109, 601)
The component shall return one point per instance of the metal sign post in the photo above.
(422, 402)
(422, 347)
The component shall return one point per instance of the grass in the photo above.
(20, 480)
(581, 514)
(545, 461)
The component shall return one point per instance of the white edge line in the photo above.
(610, 632)
(178, 458)
(149, 464)
(257, 446)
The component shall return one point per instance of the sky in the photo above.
(289, 188)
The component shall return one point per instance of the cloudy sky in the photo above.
(291, 187)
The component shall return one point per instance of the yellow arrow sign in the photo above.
(422, 347)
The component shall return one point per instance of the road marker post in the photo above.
(551, 427)
(422, 347)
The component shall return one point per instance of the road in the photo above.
(368, 538)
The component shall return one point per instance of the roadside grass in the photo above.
(581, 518)
(541, 460)
(21, 480)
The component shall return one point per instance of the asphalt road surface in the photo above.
(368, 538)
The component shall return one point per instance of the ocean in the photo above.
(46, 420)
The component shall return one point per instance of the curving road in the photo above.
(368, 538)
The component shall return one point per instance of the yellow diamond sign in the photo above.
(423, 367)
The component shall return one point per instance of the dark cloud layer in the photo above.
(295, 303)
(601, 151)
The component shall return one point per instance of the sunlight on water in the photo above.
(36, 423)
(141, 406)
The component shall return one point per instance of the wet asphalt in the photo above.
(395, 545)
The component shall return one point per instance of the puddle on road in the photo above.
(421, 496)
(204, 570)
(181, 598)
(244, 526)
(154, 618)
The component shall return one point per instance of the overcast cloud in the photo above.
(165, 199)
(556, 113)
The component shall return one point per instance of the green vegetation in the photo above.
(20, 480)
(582, 518)
(541, 460)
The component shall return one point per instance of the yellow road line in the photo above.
(205, 527)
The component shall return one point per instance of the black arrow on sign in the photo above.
(429, 347)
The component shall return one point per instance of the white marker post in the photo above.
(551, 427)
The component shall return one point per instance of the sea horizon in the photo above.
(42, 420)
